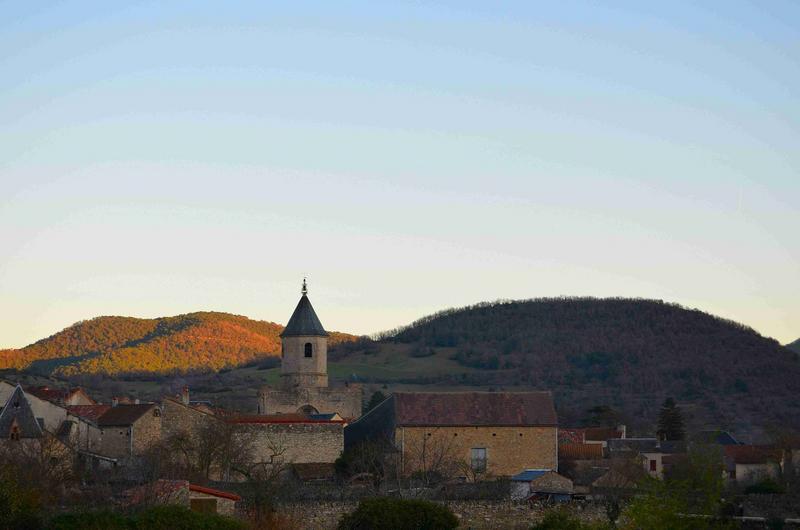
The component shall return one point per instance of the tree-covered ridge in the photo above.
(191, 342)
(629, 352)
(794, 346)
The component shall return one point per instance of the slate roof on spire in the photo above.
(17, 412)
(304, 321)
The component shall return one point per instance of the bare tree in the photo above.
(433, 457)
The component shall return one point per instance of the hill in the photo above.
(794, 346)
(623, 353)
(203, 341)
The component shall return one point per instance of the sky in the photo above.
(159, 158)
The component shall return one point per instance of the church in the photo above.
(303, 387)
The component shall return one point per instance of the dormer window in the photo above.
(309, 349)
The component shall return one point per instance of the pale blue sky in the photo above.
(158, 158)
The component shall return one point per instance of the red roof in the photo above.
(575, 436)
(752, 454)
(216, 493)
(88, 412)
(58, 395)
(474, 408)
(165, 489)
(47, 393)
(601, 434)
(124, 414)
(279, 418)
(573, 451)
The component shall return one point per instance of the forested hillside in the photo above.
(794, 346)
(621, 352)
(113, 345)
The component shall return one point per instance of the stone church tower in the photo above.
(304, 371)
(304, 348)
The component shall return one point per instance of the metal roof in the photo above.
(529, 475)
(304, 321)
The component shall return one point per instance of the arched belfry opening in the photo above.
(309, 350)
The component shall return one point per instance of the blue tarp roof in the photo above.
(529, 474)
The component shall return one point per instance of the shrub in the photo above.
(155, 518)
(101, 520)
(766, 486)
(181, 518)
(19, 506)
(385, 513)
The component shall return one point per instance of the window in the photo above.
(15, 433)
(309, 349)
(479, 459)
(652, 465)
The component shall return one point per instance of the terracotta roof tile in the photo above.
(601, 434)
(573, 451)
(752, 454)
(124, 414)
(474, 408)
(88, 412)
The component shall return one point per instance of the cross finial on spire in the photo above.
(305, 289)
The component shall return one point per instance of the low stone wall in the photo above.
(476, 515)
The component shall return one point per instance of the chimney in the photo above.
(622, 430)
(185, 395)
(114, 401)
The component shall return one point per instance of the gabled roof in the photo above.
(474, 408)
(716, 437)
(17, 413)
(88, 412)
(124, 414)
(56, 395)
(304, 321)
(601, 434)
(752, 454)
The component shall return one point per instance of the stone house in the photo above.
(182, 416)
(478, 433)
(181, 492)
(746, 464)
(128, 430)
(80, 429)
(540, 484)
(651, 452)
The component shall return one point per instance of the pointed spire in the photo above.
(304, 321)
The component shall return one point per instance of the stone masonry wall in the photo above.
(344, 400)
(509, 450)
(147, 431)
(297, 443)
(296, 368)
